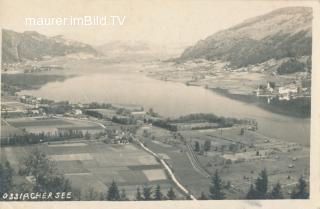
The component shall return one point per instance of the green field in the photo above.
(9, 130)
(49, 122)
(46, 125)
(174, 153)
(281, 159)
(97, 164)
(274, 155)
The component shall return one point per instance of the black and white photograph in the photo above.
(157, 101)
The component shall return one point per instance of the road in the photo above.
(165, 165)
(195, 162)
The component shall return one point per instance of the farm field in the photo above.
(96, 165)
(181, 166)
(46, 122)
(164, 145)
(285, 162)
(8, 130)
(242, 174)
(51, 125)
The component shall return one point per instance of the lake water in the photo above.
(124, 84)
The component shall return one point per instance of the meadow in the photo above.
(96, 164)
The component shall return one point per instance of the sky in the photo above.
(165, 22)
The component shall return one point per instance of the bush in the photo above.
(291, 66)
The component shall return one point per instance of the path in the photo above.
(166, 166)
(195, 162)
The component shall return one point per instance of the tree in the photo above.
(56, 183)
(171, 195)
(87, 135)
(228, 185)
(188, 197)
(113, 192)
(251, 195)
(291, 66)
(45, 173)
(261, 185)
(147, 192)
(91, 194)
(203, 196)
(216, 188)
(300, 191)
(138, 194)
(242, 131)
(157, 194)
(207, 145)
(276, 192)
(196, 146)
(77, 195)
(123, 195)
(260, 188)
(5, 178)
(233, 148)
(152, 113)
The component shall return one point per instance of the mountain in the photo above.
(123, 47)
(137, 50)
(285, 32)
(31, 45)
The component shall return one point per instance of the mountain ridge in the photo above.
(30, 45)
(285, 32)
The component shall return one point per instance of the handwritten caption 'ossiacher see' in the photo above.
(37, 196)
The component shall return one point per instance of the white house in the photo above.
(77, 112)
(286, 92)
(138, 114)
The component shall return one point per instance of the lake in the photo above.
(124, 84)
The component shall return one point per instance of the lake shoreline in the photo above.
(15, 83)
(130, 85)
(279, 107)
(295, 108)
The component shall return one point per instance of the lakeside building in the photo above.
(283, 92)
(76, 111)
(269, 88)
(139, 115)
(287, 92)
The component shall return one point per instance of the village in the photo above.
(287, 92)
(29, 67)
(36, 115)
(262, 80)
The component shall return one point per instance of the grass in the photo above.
(275, 157)
(51, 125)
(49, 122)
(79, 144)
(155, 174)
(71, 157)
(97, 165)
(38, 123)
(181, 167)
(8, 130)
